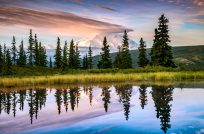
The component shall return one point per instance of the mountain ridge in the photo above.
(183, 56)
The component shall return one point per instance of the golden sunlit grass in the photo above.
(100, 78)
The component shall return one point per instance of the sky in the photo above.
(84, 19)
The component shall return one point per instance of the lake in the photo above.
(107, 109)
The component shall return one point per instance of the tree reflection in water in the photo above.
(125, 93)
(162, 96)
(36, 99)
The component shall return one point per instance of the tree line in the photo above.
(69, 57)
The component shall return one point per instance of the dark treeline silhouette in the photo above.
(68, 57)
(12, 102)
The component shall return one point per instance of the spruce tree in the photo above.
(85, 62)
(77, 58)
(8, 63)
(105, 61)
(30, 49)
(36, 52)
(161, 53)
(142, 59)
(22, 55)
(4, 53)
(65, 56)
(14, 51)
(118, 59)
(125, 54)
(90, 58)
(155, 51)
(72, 55)
(50, 63)
(42, 56)
(1, 60)
(58, 55)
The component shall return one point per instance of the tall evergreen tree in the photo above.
(14, 51)
(118, 59)
(42, 58)
(85, 62)
(4, 53)
(22, 55)
(77, 58)
(125, 54)
(50, 63)
(72, 55)
(30, 49)
(58, 55)
(1, 59)
(90, 58)
(36, 51)
(8, 63)
(105, 61)
(65, 56)
(161, 53)
(142, 59)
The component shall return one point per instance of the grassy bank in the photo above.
(42, 71)
(94, 78)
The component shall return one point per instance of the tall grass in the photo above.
(100, 78)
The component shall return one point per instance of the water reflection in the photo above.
(162, 97)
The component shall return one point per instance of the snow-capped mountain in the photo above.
(114, 40)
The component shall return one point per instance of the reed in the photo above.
(100, 78)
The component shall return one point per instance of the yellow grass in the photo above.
(100, 78)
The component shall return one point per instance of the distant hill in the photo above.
(183, 55)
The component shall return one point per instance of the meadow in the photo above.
(94, 76)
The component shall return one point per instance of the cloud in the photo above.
(103, 7)
(199, 3)
(56, 21)
(198, 21)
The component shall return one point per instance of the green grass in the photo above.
(41, 71)
(93, 78)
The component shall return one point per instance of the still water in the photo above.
(112, 109)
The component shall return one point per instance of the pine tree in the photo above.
(58, 55)
(105, 61)
(72, 55)
(118, 59)
(64, 57)
(4, 53)
(36, 51)
(1, 60)
(30, 49)
(161, 53)
(90, 58)
(125, 54)
(22, 55)
(77, 58)
(155, 51)
(42, 58)
(85, 62)
(50, 63)
(14, 51)
(142, 59)
(8, 63)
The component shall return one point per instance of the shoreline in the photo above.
(71, 79)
